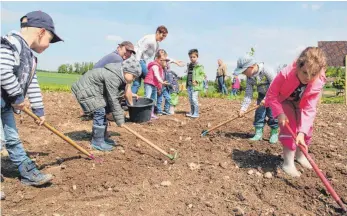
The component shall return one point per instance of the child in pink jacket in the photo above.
(293, 96)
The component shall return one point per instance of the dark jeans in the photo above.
(137, 82)
(100, 117)
(261, 113)
(221, 84)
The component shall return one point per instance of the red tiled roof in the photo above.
(335, 52)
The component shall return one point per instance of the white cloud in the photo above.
(315, 7)
(114, 38)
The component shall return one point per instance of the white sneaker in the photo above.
(288, 164)
(300, 157)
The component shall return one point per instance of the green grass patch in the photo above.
(333, 100)
(56, 81)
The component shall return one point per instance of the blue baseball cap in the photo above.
(40, 19)
(243, 63)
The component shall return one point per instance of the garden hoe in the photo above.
(67, 139)
(319, 173)
(205, 132)
(172, 157)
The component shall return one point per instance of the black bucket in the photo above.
(141, 110)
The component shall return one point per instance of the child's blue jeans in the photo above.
(137, 82)
(166, 95)
(151, 92)
(234, 92)
(10, 135)
(193, 99)
(261, 113)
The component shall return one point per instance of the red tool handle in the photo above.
(318, 172)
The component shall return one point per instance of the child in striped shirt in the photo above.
(18, 80)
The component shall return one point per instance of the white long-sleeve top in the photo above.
(146, 47)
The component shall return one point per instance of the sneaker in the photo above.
(31, 176)
(194, 116)
(166, 113)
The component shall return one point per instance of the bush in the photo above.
(339, 83)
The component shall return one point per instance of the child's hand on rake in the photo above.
(262, 103)
(41, 121)
(282, 119)
(241, 113)
(21, 106)
(300, 140)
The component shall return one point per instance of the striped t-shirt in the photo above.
(21, 59)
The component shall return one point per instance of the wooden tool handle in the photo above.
(223, 123)
(145, 140)
(67, 139)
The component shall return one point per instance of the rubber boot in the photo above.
(30, 175)
(274, 136)
(300, 157)
(196, 113)
(98, 140)
(258, 134)
(191, 111)
(107, 139)
(288, 164)
(152, 115)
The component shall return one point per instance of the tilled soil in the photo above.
(220, 174)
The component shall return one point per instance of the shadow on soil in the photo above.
(255, 159)
(85, 135)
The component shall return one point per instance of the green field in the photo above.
(56, 81)
(62, 82)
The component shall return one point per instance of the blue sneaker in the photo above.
(31, 175)
(98, 140)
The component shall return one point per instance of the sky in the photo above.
(278, 31)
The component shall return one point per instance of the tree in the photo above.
(62, 68)
(77, 67)
(91, 65)
(335, 72)
(70, 68)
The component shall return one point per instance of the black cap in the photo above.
(40, 19)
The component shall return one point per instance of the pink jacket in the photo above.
(236, 84)
(150, 77)
(284, 84)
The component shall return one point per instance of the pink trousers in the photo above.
(292, 111)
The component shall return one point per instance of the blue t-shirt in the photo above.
(113, 57)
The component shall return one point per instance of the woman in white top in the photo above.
(145, 49)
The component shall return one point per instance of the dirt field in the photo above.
(211, 176)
